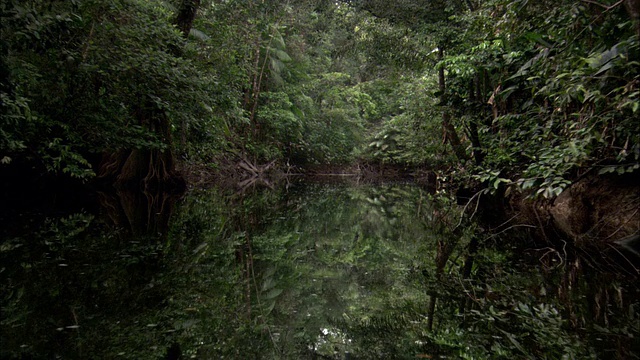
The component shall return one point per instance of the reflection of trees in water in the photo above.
(598, 293)
(140, 212)
(84, 279)
(483, 299)
(385, 272)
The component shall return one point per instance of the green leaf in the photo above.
(282, 55)
(270, 306)
(515, 342)
(273, 293)
(604, 68)
(199, 34)
(538, 38)
(269, 283)
(607, 169)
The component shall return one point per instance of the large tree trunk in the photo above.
(144, 168)
(151, 168)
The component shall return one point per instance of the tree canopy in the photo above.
(525, 94)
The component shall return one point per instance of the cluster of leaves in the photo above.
(291, 93)
(409, 133)
(555, 95)
(76, 76)
(538, 94)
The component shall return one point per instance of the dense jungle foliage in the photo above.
(529, 94)
(505, 97)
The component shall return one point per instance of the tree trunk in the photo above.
(475, 98)
(186, 15)
(144, 168)
(474, 136)
(141, 212)
(431, 311)
(442, 256)
(151, 168)
(450, 131)
(466, 271)
(470, 5)
(633, 8)
(184, 22)
(255, 89)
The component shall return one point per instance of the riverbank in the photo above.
(597, 216)
(241, 172)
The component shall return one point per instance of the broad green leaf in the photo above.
(273, 293)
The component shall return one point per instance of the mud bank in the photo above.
(595, 211)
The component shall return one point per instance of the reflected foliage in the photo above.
(307, 271)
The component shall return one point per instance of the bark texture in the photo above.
(599, 209)
(186, 15)
(633, 8)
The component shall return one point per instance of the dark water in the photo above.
(312, 271)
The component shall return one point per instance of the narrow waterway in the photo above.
(305, 271)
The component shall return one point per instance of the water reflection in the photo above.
(140, 212)
(313, 271)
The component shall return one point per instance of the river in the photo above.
(304, 271)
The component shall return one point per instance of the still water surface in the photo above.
(309, 271)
